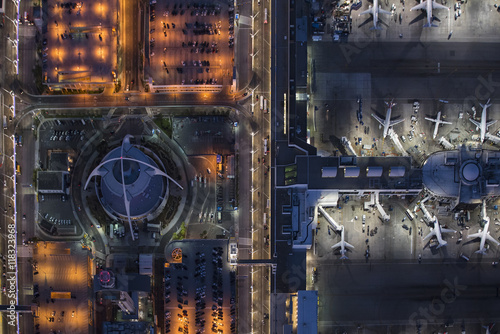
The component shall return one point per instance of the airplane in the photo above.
(436, 231)
(483, 125)
(387, 123)
(488, 328)
(375, 10)
(428, 5)
(485, 233)
(342, 244)
(438, 121)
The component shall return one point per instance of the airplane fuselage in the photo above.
(483, 123)
(436, 127)
(429, 11)
(387, 123)
(437, 229)
(375, 13)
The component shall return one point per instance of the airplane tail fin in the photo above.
(427, 25)
(344, 257)
(487, 104)
(481, 251)
(442, 244)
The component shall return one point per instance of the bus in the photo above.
(265, 146)
(60, 295)
(409, 214)
(265, 15)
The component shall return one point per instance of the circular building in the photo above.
(131, 185)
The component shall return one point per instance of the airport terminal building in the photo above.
(462, 177)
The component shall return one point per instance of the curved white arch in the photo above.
(126, 200)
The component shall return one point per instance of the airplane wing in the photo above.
(490, 123)
(445, 122)
(348, 245)
(447, 230)
(476, 235)
(380, 120)
(431, 119)
(476, 123)
(392, 123)
(421, 6)
(493, 240)
(428, 236)
(368, 11)
(337, 245)
(436, 5)
(381, 11)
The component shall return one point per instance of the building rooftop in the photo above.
(51, 182)
(386, 174)
(466, 174)
(307, 312)
(59, 161)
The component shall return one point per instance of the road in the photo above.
(130, 39)
(259, 188)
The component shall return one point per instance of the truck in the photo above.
(261, 102)
(5, 122)
(18, 169)
(265, 146)
(265, 15)
(265, 105)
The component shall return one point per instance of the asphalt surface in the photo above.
(398, 292)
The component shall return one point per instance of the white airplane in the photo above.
(428, 5)
(438, 121)
(483, 125)
(387, 123)
(485, 233)
(488, 328)
(375, 10)
(342, 244)
(436, 231)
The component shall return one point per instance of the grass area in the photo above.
(181, 233)
(96, 210)
(38, 74)
(165, 124)
(76, 91)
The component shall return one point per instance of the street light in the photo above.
(13, 41)
(14, 22)
(254, 54)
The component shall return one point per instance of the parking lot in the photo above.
(200, 291)
(79, 41)
(61, 136)
(189, 44)
(60, 267)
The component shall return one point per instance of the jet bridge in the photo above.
(374, 200)
(426, 213)
(446, 144)
(493, 138)
(397, 143)
(332, 221)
